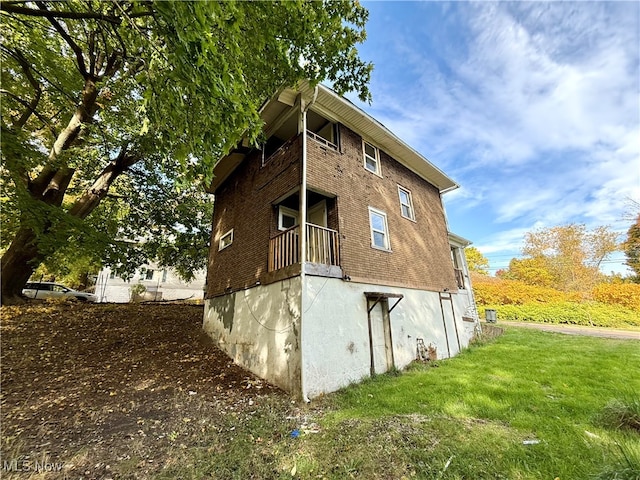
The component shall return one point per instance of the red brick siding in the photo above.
(420, 255)
(244, 202)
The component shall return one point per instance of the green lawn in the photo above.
(529, 405)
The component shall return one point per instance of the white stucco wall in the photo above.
(335, 336)
(259, 329)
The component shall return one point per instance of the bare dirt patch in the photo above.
(109, 391)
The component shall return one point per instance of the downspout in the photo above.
(303, 233)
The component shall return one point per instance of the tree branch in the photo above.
(92, 54)
(57, 87)
(26, 69)
(26, 104)
(13, 8)
(67, 38)
(92, 197)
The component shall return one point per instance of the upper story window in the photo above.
(379, 229)
(287, 218)
(148, 275)
(371, 158)
(225, 240)
(406, 203)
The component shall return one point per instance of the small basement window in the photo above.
(371, 158)
(379, 229)
(225, 240)
(406, 203)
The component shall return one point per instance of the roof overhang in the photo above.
(458, 241)
(338, 109)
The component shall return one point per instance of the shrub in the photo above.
(587, 313)
(624, 294)
(491, 291)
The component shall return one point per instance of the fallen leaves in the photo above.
(92, 385)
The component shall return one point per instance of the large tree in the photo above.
(114, 113)
(567, 257)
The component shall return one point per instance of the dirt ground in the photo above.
(86, 389)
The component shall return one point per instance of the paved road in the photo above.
(577, 330)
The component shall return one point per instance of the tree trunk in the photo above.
(18, 265)
(23, 255)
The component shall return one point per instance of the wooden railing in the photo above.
(322, 247)
(459, 277)
(284, 248)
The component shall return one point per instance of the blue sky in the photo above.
(533, 108)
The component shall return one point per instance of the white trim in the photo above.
(288, 212)
(412, 212)
(224, 242)
(376, 159)
(385, 232)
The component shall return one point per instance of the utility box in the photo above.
(490, 315)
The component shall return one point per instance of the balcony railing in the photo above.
(284, 249)
(459, 277)
(322, 140)
(322, 247)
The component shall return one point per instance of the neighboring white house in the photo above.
(159, 284)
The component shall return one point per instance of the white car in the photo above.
(55, 290)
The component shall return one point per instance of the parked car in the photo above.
(55, 290)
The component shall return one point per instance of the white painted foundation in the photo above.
(260, 328)
(335, 335)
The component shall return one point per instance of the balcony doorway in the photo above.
(323, 248)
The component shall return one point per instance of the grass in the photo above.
(529, 405)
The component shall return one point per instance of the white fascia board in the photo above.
(458, 241)
(362, 123)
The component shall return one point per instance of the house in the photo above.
(148, 283)
(330, 256)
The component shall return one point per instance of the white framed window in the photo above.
(225, 240)
(148, 275)
(371, 158)
(379, 229)
(406, 203)
(287, 218)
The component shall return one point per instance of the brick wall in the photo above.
(244, 202)
(420, 256)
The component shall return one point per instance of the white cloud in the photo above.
(537, 116)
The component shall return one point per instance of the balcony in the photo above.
(323, 250)
(459, 278)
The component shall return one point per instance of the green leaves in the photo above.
(179, 83)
